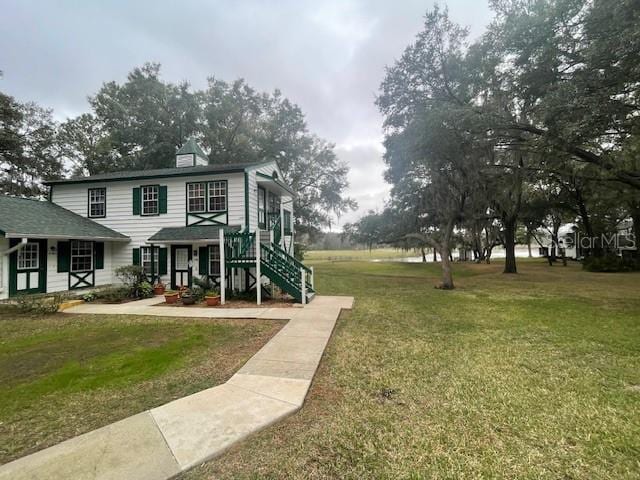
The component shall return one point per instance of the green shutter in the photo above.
(136, 201)
(98, 253)
(162, 198)
(203, 254)
(162, 259)
(64, 256)
(136, 256)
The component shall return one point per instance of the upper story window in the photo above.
(218, 196)
(81, 256)
(207, 196)
(29, 256)
(97, 202)
(196, 195)
(150, 200)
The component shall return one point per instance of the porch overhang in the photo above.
(190, 235)
(274, 184)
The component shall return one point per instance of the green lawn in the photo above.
(63, 375)
(535, 375)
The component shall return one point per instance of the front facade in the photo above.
(169, 221)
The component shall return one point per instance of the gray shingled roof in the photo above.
(192, 233)
(191, 146)
(156, 173)
(23, 217)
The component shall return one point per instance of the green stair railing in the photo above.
(286, 271)
(240, 248)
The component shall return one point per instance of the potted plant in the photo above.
(171, 296)
(158, 288)
(187, 297)
(212, 297)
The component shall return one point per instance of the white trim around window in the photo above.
(81, 256)
(150, 199)
(217, 196)
(29, 256)
(196, 197)
(97, 203)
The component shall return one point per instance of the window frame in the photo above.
(214, 259)
(91, 202)
(262, 194)
(145, 251)
(72, 255)
(204, 197)
(143, 188)
(210, 196)
(21, 253)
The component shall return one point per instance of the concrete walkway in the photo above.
(150, 306)
(162, 442)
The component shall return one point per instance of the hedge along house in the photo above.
(46, 248)
(174, 222)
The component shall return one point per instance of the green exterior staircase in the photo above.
(275, 263)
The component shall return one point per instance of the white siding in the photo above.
(266, 169)
(59, 282)
(139, 228)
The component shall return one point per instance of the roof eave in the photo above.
(67, 237)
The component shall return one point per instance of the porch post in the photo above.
(304, 286)
(258, 274)
(223, 287)
(312, 278)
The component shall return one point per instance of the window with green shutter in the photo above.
(136, 256)
(64, 256)
(136, 201)
(203, 261)
(98, 252)
(163, 199)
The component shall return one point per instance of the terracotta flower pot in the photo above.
(213, 301)
(171, 297)
(158, 290)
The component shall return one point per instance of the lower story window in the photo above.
(81, 256)
(214, 259)
(28, 257)
(146, 260)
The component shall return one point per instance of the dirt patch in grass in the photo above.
(268, 303)
(64, 375)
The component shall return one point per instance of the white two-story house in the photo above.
(171, 221)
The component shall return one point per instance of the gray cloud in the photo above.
(328, 57)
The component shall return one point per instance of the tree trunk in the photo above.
(435, 255)
(447, 276)
(510, 246)
(529, 244)
(424, 255)
(445, 253)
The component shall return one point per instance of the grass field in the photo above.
(535, 375)
(63, 375)
(344, 255)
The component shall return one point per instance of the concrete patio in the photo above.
(164, 441)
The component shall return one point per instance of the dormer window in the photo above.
(97, 202)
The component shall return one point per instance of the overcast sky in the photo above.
(327, 56)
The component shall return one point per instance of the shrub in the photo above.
(113, 294)
(610, 263)
(145, 290)
(134, 279)
(42, 304)
(299, 250)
